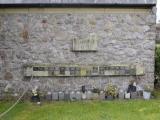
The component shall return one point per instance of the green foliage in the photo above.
(157, 62)
(156, 94)
(111, 90)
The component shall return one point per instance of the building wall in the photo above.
(125, 36)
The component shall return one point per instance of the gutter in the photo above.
(75, 5)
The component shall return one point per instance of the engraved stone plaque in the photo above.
(88, 44)
(101, 70)
(72, 71)
(109, 72)
(62, 70)
(67, 72)
(77, 71)
(56, 71)
(83, 72)
(95, 71)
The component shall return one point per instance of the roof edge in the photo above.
(65, 5)
(75, 3)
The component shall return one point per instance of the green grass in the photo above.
(85, 110)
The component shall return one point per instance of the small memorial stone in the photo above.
(102, 95)
(54, 96)
(89, 95)
(78, 95)
(139, 94)
(127, 95)
(84, 96)
(72, 96)
(49, 96)
(133, 95)
(121, 95)
(66, 96)
(95, 96)
(61, 95)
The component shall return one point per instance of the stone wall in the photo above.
(124, 37)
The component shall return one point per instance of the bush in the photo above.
(111, 90)
(157, 64)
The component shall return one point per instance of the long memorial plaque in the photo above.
(83, 70)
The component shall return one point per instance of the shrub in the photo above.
(111, 90)
(157, 64)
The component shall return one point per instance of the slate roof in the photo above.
(8, 3)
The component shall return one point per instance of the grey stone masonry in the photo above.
(38, 36)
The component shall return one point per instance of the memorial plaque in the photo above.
(88, 44)
(51, 68)
(95, 70)
(139, 70)
(67, 72)
(109, 72)
(133, 71)
(56, 70)
(77, 71)
(72, 71)
(40, 73)
(81, 70)
(51, 71)
(62, 70)
(121, 72)
(101, 70)
(38, 68)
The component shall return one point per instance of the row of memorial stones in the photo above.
(70, 96)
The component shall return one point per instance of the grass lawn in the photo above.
(85, 110)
